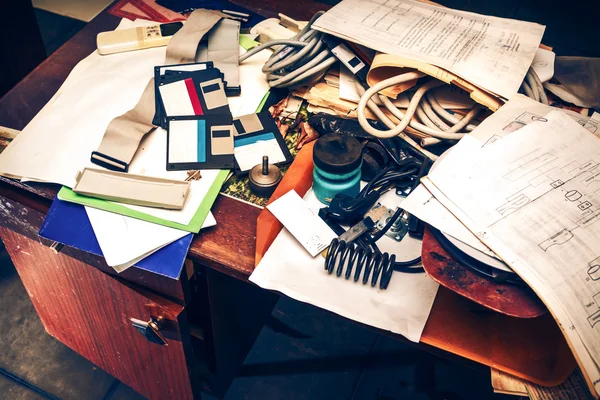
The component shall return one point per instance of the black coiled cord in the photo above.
(372, 264)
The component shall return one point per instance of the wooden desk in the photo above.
(211, 314)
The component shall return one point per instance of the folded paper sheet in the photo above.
(534, 199)
(125, 240)
(492, 53)
(403, 308)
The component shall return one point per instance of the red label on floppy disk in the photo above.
(189, 83)
(180, 98)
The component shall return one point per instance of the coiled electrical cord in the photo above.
(296, 61)
(352, 257)
(532, 87)
(424, 114)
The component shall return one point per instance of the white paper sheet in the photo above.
(403, 308)
(492, 53)
(518, 112)
(534, 199)
(60, 138)
(427, 208)
(253, 83)
(305, 225)
(125, 241)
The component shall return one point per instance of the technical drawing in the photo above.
(491, 140)
(594, 318)
(589, 217)
(558, 238)
(594, 269)
(591, 179)
(539, 180)
(513, 126)
(573, 195)
(528, 164)
(584, 205)
(513, 204)
(557, 183)
(596, 298)
(528, 117)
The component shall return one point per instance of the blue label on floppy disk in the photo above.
(249, 151)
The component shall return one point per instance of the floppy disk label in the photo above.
(200, 142)
(180, 98)
(257, 135)
(249, 151)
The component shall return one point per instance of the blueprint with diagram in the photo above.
(534, 199)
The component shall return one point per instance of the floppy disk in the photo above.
(257, 135)
(168, 70)
(200, 142)
(192, 93)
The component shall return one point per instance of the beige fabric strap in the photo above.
(124, 133)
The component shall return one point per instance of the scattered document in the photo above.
(515, 114)
(402, 308)
(534, 199)
(125, 241)
(306, 226)
(490, 52)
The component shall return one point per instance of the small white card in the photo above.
(307, 227)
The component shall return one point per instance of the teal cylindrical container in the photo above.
(337, 160)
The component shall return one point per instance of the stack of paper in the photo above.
(533, 199)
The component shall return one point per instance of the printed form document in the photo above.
(534, 199)
(490, 52)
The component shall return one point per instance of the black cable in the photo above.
(382, 182)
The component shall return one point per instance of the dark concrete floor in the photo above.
(32, 355)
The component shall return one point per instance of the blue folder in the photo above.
(68, 223)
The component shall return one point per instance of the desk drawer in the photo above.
(90, 312)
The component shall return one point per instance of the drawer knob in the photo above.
(150, 330)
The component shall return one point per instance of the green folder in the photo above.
(194, 226)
